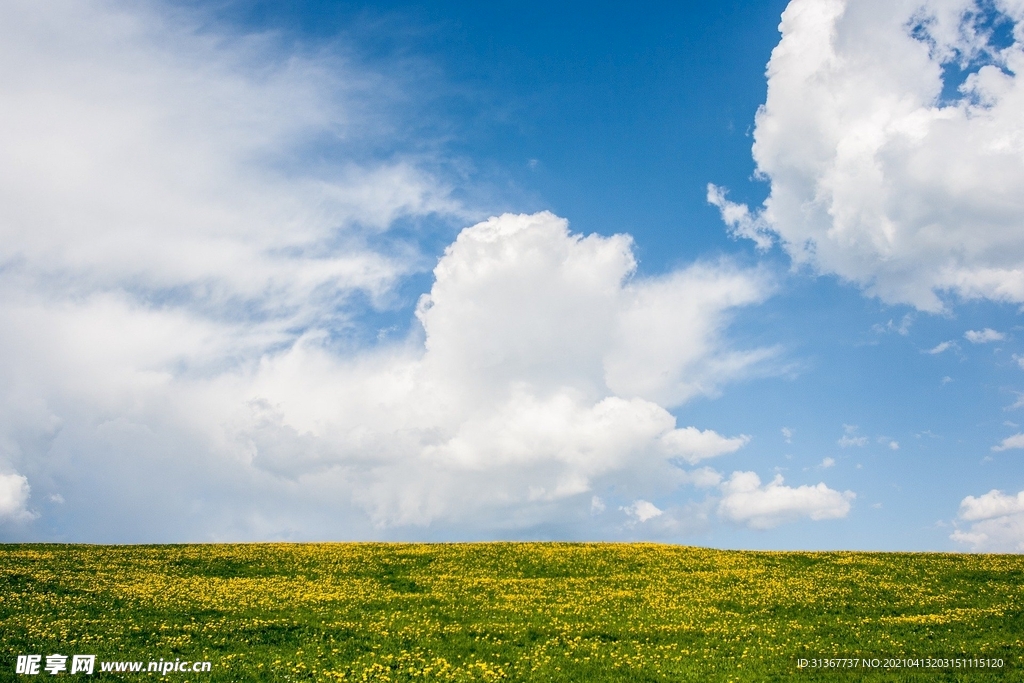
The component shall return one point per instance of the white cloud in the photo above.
(641, 510)
(158, 238)
(746, 501)
(695, 445)
(665, 344)
(508, 411)
(787, 434)
(703, 478)
(146, 156)
(741, 222)
(514, 394)
(902, 329)
(14, 492)
(993, 504)
(891, 443)
(827, 462)
(997, 522)
(850, 438)
(1015, 441)
(983, 336)
(874, 176)
(939, 348)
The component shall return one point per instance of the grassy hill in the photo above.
(512, 611)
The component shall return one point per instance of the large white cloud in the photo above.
(504, 414)
(997, 522)
(508, 408)
(876, 174)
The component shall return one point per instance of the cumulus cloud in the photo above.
(993, 504)
(885, 170)
(997, 522)
(746, 501)
(1010, 442)
(514, 398)
(14, 492)
(641, 511)
(983, 336)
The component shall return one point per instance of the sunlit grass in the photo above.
(507, 611)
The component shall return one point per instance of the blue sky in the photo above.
(734, 274)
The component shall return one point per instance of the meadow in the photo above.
(513, 612)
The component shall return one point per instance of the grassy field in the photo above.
(516, 612)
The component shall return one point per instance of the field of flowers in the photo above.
(511, 611)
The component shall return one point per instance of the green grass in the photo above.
(502, 611)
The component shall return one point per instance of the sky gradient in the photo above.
(745, 275)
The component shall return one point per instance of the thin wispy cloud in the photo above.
(941, 347)
(902, 328)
